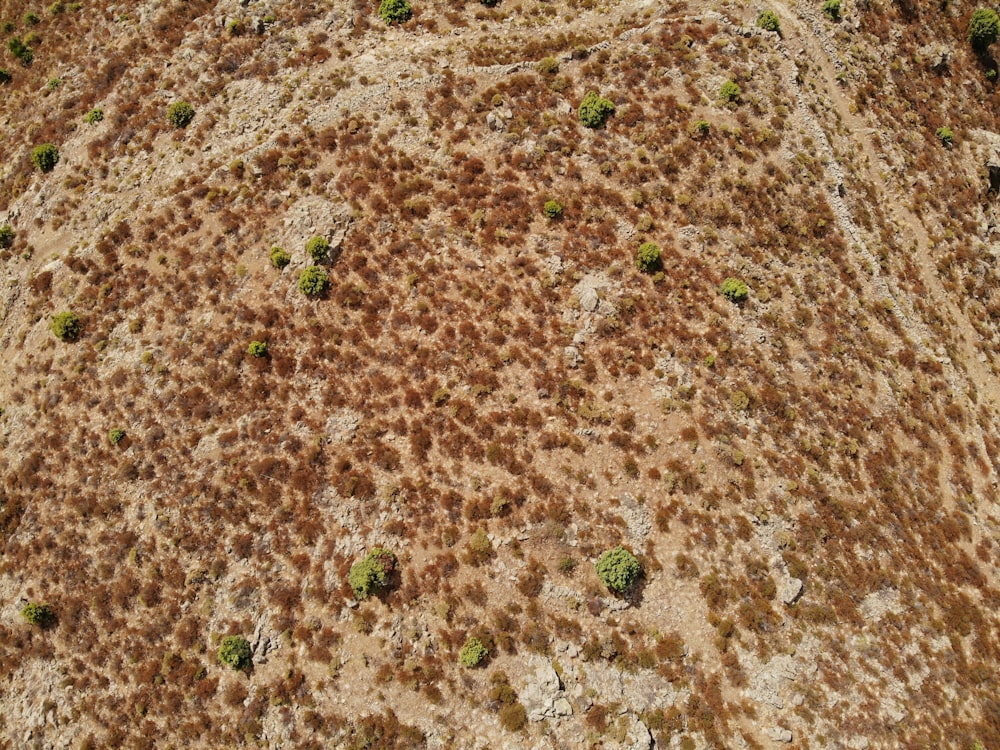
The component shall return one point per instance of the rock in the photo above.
(495, 123)
(542, 692)
(589, 300)
(637, 736)
(791, 591)
(573, 358)
(561, 707)
(779, 734)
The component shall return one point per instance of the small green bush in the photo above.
(647, 259)
(945, 136)
(730, 92)
(30, 19)
(595, 110)
(831, 9)
(257, 349)
(5, 76)
(473, 653)
(280, 257)
(180, 114)
(395, 11)
(66, 326)
(553, 209)
(94, 116)
(699, 128)
(235, 652)
(38, 614)
(313, 281)
(6, 236)
(734, 290)
(20, 50)
(618, 569)
(984, 27)
(318, 248)
(116, 435)
(547, 66)
(45, 157)
(370, 574)
(768, 20)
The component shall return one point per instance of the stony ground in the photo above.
(807, 476)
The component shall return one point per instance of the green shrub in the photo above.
(734, 290)
(313, 281)
(56, 8)
(595, 110)
(945, 136)
(490, 3)
(280, 257)
(618, 569)
(6, 236)
(831, 9)
(547, 66)
(473, 653)
(395, 11)
(730, 92)
(45, 157)
(66, 326)
(318, 248)
(699, 128)
(38, 614)
(768, 20)
(984, 27)
(180, 114)
(5, 76)
(94, 116)
(116, 435)
(647, 259)
(553, 209)
(30, 19)
(20, 50)
(369, 575)
(235, 652)
(257, 349)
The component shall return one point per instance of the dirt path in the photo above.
(801, 33)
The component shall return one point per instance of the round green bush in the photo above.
(473, 653)
(94, 116)
(831, 9)
(45, 157)
(395, 11)
(318, 248)
(5, 76)
(280, 257)
(369, 575)
(768, 20)
(116, 435)
(595, 110)
(257, 349)
(180, 114)
(618, 569)
(235, 652)
(19, 49)
(6, 236)
(734, 290)
(730, 92)
(553, 209)
(66, 326)
(38, 614)
(313, 281)
(548, 66)
(984, 27)
(647, 259)
(945, 135)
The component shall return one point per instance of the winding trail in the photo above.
(803, 32)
